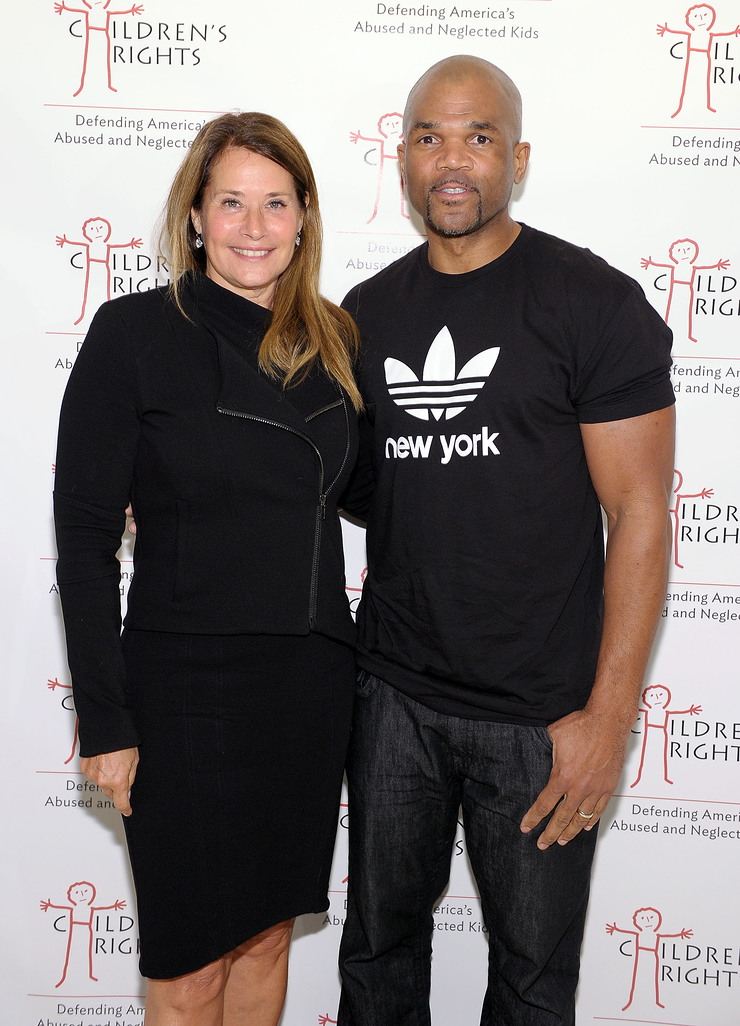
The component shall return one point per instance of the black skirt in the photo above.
(237, 792)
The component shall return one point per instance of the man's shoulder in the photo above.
(391, 280)
(576, 266)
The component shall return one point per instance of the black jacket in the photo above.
(237, 531)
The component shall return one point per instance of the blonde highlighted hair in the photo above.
(306, 329)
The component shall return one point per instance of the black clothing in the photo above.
(235, 802)
(235, 672)
(485, 543)
(235, 508)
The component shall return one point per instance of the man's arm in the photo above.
(631, 466)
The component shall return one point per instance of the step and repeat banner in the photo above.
(633, 113)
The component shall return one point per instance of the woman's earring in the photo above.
(198, 241)
(298, 239)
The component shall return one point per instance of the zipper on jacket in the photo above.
(323, 493)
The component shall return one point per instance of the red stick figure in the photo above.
(324, 1019)
(683, 254)
(646, 919)
(97, 249)
(97, 19)
(81, 910)
(53, 685)
(699, 39)
(705, 493)
(656, 713)
(390, 127)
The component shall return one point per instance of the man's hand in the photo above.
(114, 774)
(588, 755)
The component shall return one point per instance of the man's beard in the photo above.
(453, 233)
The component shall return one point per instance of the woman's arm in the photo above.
(98, 437)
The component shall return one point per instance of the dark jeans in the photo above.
(410, 769)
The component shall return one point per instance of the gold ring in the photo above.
(585, 815)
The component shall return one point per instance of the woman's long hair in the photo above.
(306, 328)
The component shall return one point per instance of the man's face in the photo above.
(461, 157)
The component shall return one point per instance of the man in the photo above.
(514, 384)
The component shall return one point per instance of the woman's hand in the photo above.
(114, 774)
(131, 523)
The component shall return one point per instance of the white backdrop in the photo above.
(91, 144)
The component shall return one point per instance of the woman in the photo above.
(224, 407)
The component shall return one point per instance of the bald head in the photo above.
(453, 71)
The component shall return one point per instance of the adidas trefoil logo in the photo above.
(440, 391)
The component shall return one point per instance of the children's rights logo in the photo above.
(655, 713)
(699, 522)
(645, 950)
(109, 272)
(95, 255)
(689, 293)
(382, 154)
(665, 958)
(81, 922)
(108, 34)
(95, 27)
(698, 49)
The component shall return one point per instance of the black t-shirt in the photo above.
(484, 534)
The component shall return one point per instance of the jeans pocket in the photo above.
(543, 735)
(366, 685)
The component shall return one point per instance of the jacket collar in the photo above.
(247, 392)
(243, 389)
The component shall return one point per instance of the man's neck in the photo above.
(464, 253)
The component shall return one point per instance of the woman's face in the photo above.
(249, 219)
